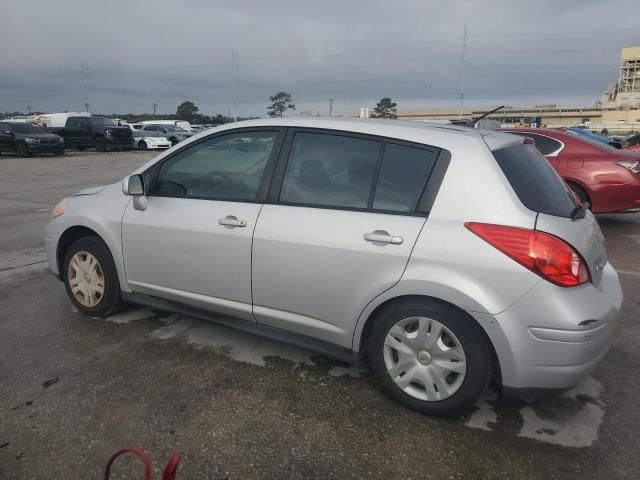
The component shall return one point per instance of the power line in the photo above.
(155, 106)
(462, 65)
(236, 82)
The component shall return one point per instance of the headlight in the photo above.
(630, 165)
(59, 208)
(108, 134)
(32, 140)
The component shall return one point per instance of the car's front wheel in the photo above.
(429, 356)
(142, 145)
(100, 144)
(23, 150)
(91, 279)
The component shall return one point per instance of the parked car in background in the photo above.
(632, 142)
(606, 177)
(97, 132)
(27, 139)
(352, 237)
(584, 132)
(145, 141)
(183, 124)
(173, 133)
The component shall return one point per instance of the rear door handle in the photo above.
(380, 236)
(232, 221)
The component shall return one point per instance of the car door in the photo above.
(337, 231)
(192, 242)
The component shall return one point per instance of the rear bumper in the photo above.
(553, 337)
(617, 198)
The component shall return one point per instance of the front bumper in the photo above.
(115, 142)
(45, 148)
(554, 337)
(51, 237)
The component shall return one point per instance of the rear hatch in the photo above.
(541, 189)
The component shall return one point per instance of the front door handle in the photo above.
(232, 221)
(380, 236)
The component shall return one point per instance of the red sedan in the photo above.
(606, 177)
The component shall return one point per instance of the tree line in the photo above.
(280, 103)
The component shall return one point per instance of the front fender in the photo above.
(103, 214)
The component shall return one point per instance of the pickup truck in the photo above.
(97, 132)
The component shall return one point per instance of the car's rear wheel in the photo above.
(91, 279)
(582, 195)
(429, 356)
(23, 150)
(142, 145)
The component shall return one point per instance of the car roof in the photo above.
(436, 134)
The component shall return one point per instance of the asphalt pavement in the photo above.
(73, 389)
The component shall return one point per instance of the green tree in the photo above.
(281, 102)
(187, 111)
(385, 109)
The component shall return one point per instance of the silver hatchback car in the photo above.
(448, 257)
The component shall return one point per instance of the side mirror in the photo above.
(135, 186)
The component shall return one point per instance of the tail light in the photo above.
(543, 254)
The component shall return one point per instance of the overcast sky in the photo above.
(165, 52)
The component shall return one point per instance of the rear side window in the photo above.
(403, 174)
(546, 145)
(330, 170)
(537, 184)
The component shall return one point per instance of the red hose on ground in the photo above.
(169, 472)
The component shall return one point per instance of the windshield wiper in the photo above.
(580, 211)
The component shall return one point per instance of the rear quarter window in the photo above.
(536, 183)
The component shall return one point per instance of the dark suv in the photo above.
(26, 139)
(98, 132)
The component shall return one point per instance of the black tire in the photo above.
(111, 301)
(142, 145)
(174, 141)
(474, 345)
(100, 144)
(23, 150)
(580, 193)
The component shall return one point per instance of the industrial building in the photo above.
(618, 110)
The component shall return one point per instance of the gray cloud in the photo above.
(167, 51)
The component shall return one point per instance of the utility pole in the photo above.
(330, 106)
(462, 65)
(85, 75)
(155, 107)
(236, 82)
(29, 109)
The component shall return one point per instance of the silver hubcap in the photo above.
(424, 358)
(86, 279)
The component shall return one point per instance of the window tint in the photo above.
(226, 167)
(402, 177)
(151, 128)
(330, 170)
(534, 180)
(546, 145)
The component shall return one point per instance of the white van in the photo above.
(183, 124)
(58, 120)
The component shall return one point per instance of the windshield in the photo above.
(27, 128)
(101, 121)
